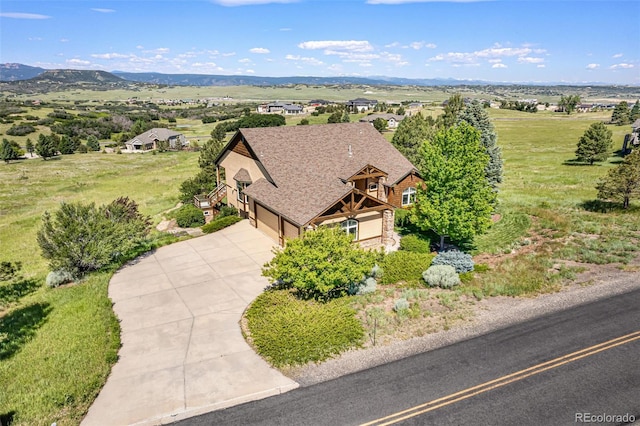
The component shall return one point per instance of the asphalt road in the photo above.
(584, 361)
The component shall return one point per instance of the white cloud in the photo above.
(417, 45)
(244, 61)
(530, 60)
(541, 66)
(109, 55)
(492, 55)
(593, 66)
(64, 40)
(617, 55)
(259, 50)
(621, 66)
(306, 60)
(97, 9)
(250, 71)
(499, 65)
(19, 15)
(78, 62)
(338, 45)
(285, 29)
(232, 3)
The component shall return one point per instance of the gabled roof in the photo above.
(157, 133)
(309, 165)
(372, 117)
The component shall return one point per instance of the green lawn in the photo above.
(57, 345)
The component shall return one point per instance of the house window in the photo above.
(350, 226)
(240, 187)
(373, 187)
(408, 196)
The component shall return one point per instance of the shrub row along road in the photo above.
(578, 362)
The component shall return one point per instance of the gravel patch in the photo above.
(489, 314)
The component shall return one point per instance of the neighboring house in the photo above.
(290, 179)
(281, 108)
(392, 119)
(632, 140)
(149, 140)
(361, 104)
(319, 102)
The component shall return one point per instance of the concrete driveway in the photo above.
(182, 350)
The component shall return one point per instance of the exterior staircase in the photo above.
(212, 198)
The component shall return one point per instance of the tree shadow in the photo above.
(598, 206)
(18, 326)
(576, 162)
(7, 418)
(16, 290)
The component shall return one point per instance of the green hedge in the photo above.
(218, 224)
(415, 243)
(405, 266)
(290, 331)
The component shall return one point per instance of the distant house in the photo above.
(392, 119)
(149, 140)
(361, 104)
(632, 140)
(281, 108)
(318, 102)
(288, 180)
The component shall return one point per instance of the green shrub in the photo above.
(227, 211)
(404, 266)
(401, 217)
(59, 277)
(415, 244)
(289, 331)
(462, 262)
(189, 216)
(444, 276)
(320, 264)
(401, 305)
(220, 223)
(82, 237)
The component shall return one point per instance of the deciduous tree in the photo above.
(569, 103)
(595, 144)
(456, 199)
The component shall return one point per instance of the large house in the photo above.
(290, 179)
(149, 140)
(361, 104)
(281, 108)
(393, 120)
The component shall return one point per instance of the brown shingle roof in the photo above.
(242, 176)
(309, 164)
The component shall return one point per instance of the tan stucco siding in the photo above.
(232, 163)
(369, 224)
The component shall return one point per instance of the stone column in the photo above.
(388, 217)
(382, 194)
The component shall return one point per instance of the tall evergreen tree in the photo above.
(595, 144)
(623, 182)
(476, 116)
(635, 111)
(7, 152)
(456, 199)
(452, 110)
(92, 143)
(621, 114)
(47, 146)
(29, 147)
(410, 135)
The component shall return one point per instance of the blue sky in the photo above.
(570, 41)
